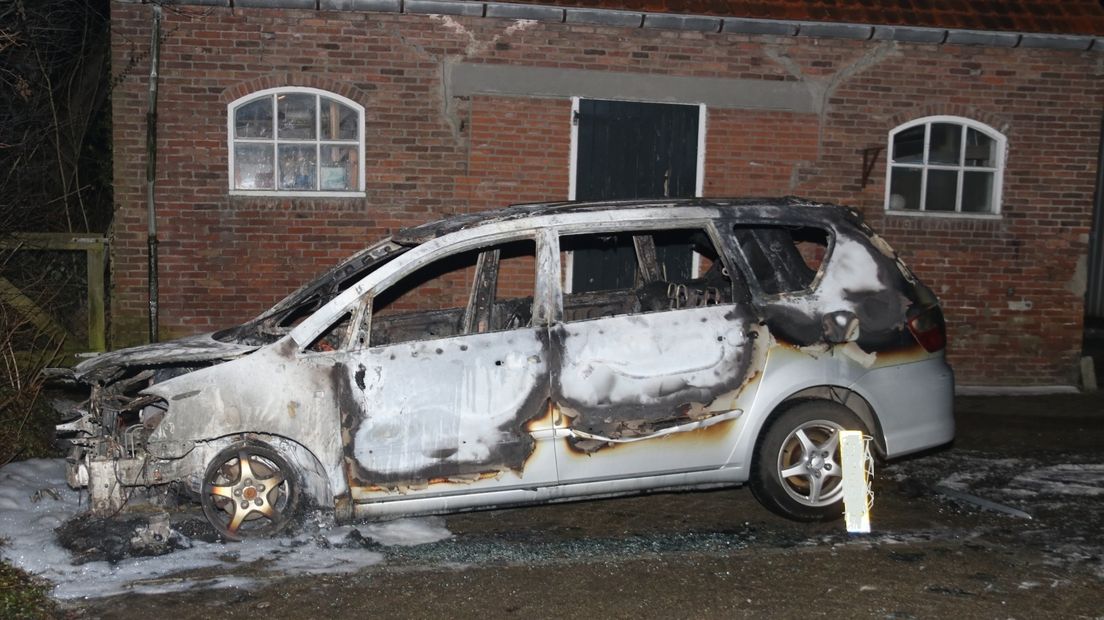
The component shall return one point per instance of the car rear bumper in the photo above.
(914, 404)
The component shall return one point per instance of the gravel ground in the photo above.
(718, 554)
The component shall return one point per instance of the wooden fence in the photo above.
(95, 249)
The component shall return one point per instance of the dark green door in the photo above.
(632, 150)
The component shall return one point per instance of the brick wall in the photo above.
(430, 154)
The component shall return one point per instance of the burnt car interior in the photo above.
(426, 305)
(500, 280)
(783, 259)
(660, 271)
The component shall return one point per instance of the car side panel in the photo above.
(914, 403)
(447, 415)
(273, 391)
(652, 393)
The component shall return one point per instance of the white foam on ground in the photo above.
(978, 474)
(27, 527)
(1064, 479)
(974, 470)
(407, 532)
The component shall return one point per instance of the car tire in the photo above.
(250, 491)
(796, 470)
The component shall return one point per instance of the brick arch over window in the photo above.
(280, 80)
(952, 109)
(945, 165)
(295, 141)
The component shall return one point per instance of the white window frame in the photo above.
(318, 142)
(1001, 148)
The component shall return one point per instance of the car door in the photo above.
(654, 378)
(446, 392)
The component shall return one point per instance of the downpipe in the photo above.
(151, 173)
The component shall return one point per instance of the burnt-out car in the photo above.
(539, 353)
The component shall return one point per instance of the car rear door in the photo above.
(652, 379)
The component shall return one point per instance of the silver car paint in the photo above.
(284, 390)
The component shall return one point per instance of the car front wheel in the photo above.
(797, 473)
(250, 490)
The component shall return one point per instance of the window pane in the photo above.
(942, 188)
(297, 167)
(908, 146)
(946, 143)
(339, 167)
(977, 192)
(339, 122)
(904, 189)
(980, 149)
(254, 119)
(253, 166)
(296, 116)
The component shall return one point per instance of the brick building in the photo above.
(291, 133)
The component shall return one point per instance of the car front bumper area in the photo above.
(112, 466)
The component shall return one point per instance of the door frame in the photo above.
(545, 298)
(573, 168)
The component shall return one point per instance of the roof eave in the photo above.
(671, 21)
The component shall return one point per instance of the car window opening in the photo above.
(783, 259)
(478, 291)
(651, 273)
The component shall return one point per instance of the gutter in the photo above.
(669, 21)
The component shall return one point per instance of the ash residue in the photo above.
(111, 539)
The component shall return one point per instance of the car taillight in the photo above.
(929, 329)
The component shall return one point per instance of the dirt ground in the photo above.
(718, 554)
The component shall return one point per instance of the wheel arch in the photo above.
(846, 397)
(793, 473)
(315, 483)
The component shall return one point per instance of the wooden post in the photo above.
(97, 332)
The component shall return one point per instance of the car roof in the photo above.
(781, 208)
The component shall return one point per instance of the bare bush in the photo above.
(54, 121)
(54, 177)
(26, 348)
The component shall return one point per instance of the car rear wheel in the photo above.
(249, 491)
(797, 473)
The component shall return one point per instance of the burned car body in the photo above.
(465, 364)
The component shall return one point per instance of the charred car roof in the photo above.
(771, 208)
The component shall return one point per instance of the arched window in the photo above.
(945, 165)
(296, 141)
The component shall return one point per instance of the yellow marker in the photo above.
(856, 482)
